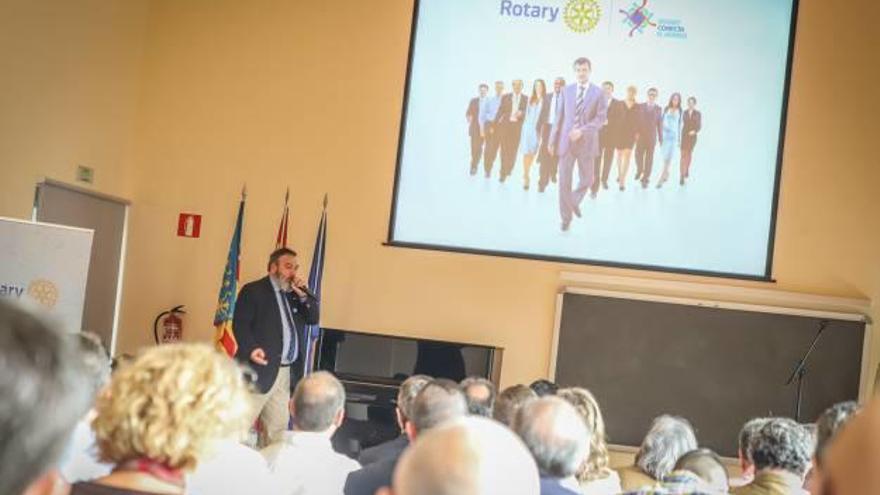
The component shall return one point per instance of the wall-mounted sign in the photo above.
(189, 225)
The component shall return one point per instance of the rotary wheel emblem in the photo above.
(582, 16)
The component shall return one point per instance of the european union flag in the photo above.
(316, 273)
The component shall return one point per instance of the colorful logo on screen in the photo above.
(638, 17)
(581, 16)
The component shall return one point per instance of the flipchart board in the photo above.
(715, 366)
(45, 266)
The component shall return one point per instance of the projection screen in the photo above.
(643, 133)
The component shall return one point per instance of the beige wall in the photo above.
(273, 92)
(70, 73)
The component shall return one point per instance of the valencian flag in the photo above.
(281, 238)
(316, 272)
(224, 338)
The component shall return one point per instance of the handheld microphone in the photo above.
(305, 288)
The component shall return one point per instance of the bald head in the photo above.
(317, 402)
(555, 434)
(851, 459)
(438, 402)
(480, 396)
(470, 456)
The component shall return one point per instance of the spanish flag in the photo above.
(224, 338)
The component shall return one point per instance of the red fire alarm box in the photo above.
(189, 225)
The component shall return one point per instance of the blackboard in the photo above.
(716, 367)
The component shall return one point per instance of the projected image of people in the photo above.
(581, 127)
(618, 138)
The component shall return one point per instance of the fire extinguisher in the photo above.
(172, 326)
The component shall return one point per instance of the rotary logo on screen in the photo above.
(582, 16)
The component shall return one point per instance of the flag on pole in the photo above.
(316, 273)
(281, 238)
(224, 338)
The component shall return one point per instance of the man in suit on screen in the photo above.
(583, 113)
(508, 123)
(547, 160)
(476, 125)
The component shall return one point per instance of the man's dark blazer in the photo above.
(257, 323)
(692, 121)
(650, 124)
(368, 479)
(473, 111)
(505, 110)
(391, 448)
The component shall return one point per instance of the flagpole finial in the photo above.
(244, 191)
(325, 201)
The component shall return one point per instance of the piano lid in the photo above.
(373, 358)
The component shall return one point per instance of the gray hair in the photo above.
(317, 401)
(745, 437)
(510, 400)
(43, 395)
(781, 443)
(669, 438)
(480, 396)
(407, 393)
(830, 422)
(95, 360)
(439, 401)
(555, 434)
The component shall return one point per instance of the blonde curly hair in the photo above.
(595, 467)
(170, 404)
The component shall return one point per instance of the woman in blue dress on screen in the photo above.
(671, 134)
(536, 114)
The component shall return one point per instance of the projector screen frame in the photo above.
(767, 276)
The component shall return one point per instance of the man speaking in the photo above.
(269, 324)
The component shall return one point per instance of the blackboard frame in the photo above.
(866, 380)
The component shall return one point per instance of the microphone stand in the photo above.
(800, 369)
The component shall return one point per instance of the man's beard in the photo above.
(283, 283)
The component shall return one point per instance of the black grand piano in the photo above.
(372, 367)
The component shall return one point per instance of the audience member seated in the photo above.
(80, 462)
(558, 439)
(440, 401)
(544, 387)
(744, 453)
(470, 456)
(510, 400)
(162, 415)
(782, 451)
(594, 475)
(405, 397)
(827, 426)
(669, 438)
(480, 396)
(850, 461)
(44, 394)
(304, 461)
(696, 472)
